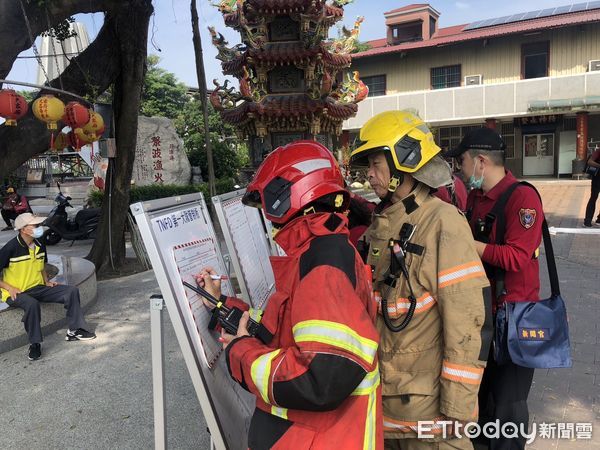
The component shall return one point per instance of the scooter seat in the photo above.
(87, 215)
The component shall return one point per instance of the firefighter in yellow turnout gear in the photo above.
(434, 323)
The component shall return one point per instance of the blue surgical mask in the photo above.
(38, 232)
(476, 183)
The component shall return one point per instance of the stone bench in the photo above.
(73, 271)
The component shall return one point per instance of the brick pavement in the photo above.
(572, 395)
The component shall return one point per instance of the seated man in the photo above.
(25, 285)
(14, 205)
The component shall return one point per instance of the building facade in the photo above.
(534, 77)
(56, 55)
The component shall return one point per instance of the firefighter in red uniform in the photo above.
(317, 382)
(454, 193)
(505, 388)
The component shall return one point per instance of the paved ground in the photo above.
(572, 395)
(98, 394)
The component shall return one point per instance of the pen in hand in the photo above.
(219, 277)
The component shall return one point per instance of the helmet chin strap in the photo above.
(394, 183)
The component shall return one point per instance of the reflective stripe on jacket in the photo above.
(317, 383)
(433, 367)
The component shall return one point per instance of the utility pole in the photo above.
(203, 95)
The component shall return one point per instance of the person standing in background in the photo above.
(593, 162)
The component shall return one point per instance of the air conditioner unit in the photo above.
(594, 65)
(471, 80)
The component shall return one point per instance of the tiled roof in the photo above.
(234, 66)
(289, 105)
(278, 5)
(285, 51)
(336, 60)
(332, 10)
(455, 34)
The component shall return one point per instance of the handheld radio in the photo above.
(229, 318)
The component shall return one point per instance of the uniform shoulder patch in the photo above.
(527, 217)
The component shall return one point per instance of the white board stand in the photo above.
(158, 372)
(226, 407)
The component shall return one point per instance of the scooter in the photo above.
(83, 226)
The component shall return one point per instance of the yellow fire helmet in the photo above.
(401, 133)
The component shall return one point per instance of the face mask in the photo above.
(38, 232)
(476, 183)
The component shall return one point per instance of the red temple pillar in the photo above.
(582, 135)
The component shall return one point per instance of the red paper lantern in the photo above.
(12, 106)
(76, 115)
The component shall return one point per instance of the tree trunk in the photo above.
(82, 77)
(117, 55)
(108, 251)
(200, 73)
(14, 33)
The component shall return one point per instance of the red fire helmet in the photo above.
(291, 178)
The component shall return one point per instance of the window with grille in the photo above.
(507, 130)
(449, 137)
(570, 124)
(534, 60)
(445, 77)
(376, 85)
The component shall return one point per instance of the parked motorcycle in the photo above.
(83, 226)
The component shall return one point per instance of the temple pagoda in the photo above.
(290, 75)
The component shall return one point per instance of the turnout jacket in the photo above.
(317, 382)
(432, 369)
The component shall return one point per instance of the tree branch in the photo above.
(14, 35)
(89, 74)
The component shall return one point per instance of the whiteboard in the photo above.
(249, 248)
(179, 236)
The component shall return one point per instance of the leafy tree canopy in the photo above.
(163, 94)
(361, 47)
(229, 153)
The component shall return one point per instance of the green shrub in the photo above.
(154, 191)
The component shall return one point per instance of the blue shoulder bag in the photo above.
(531, 334)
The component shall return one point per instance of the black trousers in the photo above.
(8, 215)
(29, 301)
(591, 206)
(503, 396)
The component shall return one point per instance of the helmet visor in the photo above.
(252, 199)
(361, 159)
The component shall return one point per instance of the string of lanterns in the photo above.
(86, 125)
